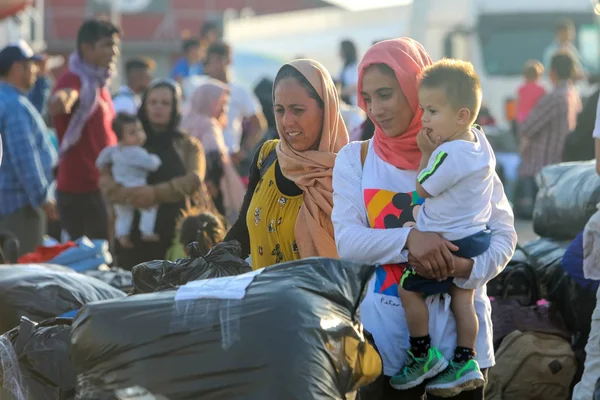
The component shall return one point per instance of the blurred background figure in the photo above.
(563, 42)
(349, 75)
(190, 63)
(138, 72)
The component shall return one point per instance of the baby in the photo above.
(456, 179)
(131, 164)
(530, 92)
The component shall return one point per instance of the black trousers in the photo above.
(83, 214)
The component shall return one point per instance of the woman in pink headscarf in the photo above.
(205, 119)
(374, 213)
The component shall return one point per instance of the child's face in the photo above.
(133, 134)
(439, 117)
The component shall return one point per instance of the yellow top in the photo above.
(272, 218)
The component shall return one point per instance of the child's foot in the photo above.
(125, 242)
(416, 370)
(457, 378)
(150, 238)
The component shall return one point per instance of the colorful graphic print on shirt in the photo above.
(388, 210)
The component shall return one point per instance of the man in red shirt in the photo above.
(82, 112)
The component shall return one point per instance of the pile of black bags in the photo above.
(115, 277)
(291, 331)
(41, 292)
(222, 260)
(566, 199)
(41, 353)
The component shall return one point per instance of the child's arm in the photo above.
(104, 158)
(422, 165)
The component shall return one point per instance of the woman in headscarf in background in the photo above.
(205, 119)
(286, 213)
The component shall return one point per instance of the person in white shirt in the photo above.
(349, 75)
(139, 76)
(243, 105)
(375, 208)
(563, 43)
(456, 180)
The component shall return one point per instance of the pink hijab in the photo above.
(201, 122)
(407, 58)
(311, 170)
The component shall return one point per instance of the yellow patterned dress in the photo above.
(271, 218)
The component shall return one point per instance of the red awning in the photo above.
(11, 7)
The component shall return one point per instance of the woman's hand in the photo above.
(143, 197)
(431, 254)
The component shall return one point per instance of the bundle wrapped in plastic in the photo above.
(566, 199)
(41, 293)
(291, 331)
(222, 260)
(115, 277)
(41, 368)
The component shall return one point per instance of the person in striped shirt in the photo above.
(455, 178)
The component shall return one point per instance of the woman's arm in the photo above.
(180, 187)
(502, 247)
(239, 230)
(355, 240)
(114, 192)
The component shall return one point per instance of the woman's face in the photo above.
(386, 103)
(299, 117)
(159, 106)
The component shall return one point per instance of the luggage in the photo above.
(566, 199)
(87, 255)
(222, 260)
(533, 366)
(40, 293)
(42, 351)
(290, 331)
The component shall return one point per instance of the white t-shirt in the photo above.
(460, 178)
(242, 104)
(349, 77)
(126, 101)
(382, 196)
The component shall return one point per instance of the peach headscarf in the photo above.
(311, 170)
(200, 121)
(407, 58)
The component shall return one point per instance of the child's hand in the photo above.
(425, 143)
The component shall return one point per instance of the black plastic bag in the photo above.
(597, 390)
(42, 351)
(222, 260)
(566, 199)
(295, 334)
(40, 293)
(115, 277)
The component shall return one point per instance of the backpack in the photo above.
(532, 365)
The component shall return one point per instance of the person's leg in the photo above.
(463, 373)
(417, 317)
(123, 221)
(95, 222)
(28, 225)
(147, 224)
(70, 210)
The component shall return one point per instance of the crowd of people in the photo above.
(412, 186)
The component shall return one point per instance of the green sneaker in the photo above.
(416, 370)
(458, 377)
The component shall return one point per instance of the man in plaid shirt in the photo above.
(26, 175)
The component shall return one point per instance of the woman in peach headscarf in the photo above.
(205, 118)
(287, 209)
(376, 205)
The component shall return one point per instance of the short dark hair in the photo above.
(94, 30)
(210, 26)
(120, 121)
(139, 63)
(563, 65)
(533, 69)
(189, 44)
(565, 24)
(460, 82)
(289, 72)
(218, 48)
(349, 53)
